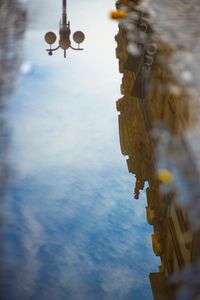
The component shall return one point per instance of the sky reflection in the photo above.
(72, 230)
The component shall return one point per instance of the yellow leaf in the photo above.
(119, 14)
(165, 176)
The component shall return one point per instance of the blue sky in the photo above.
(73, 229)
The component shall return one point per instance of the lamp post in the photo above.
(64, 34)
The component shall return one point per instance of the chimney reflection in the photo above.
(154, 116)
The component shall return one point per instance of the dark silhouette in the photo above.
(64, 33)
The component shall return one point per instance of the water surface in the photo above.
(71, 227)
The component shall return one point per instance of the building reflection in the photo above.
(151, 100)
(12, 27)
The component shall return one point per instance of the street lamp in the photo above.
(64, 32)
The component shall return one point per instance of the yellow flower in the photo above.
(119, 14)
(165, 176)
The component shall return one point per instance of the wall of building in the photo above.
(150, 100)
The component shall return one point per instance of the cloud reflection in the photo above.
(72, 230)
(76, 230)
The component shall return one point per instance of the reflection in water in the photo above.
(64, 35)
(11, 31)
(158, 115)
(70, 229)
(12, 26)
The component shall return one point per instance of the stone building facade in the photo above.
(151, 99)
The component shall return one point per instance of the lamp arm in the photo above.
(76, 48)
(53, 49)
